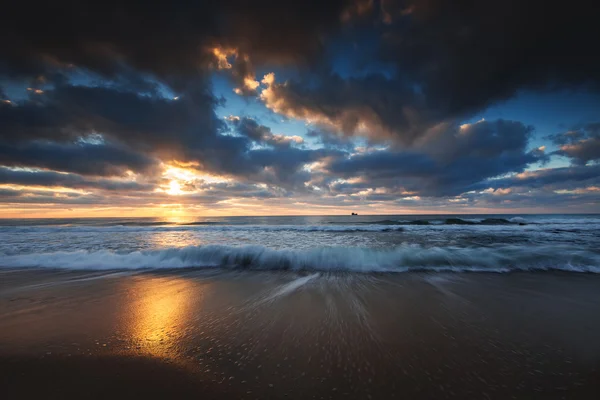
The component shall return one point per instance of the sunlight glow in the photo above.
(182, 179)
(174, 188)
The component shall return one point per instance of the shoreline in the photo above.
(278, 334)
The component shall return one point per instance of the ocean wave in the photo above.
(446, 221)
(403, 258)
(338, 228)
(491, 221)
(209, 227)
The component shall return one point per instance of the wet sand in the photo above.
(209, 334)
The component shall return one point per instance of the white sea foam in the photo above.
(402, 258)
(517, 220)
(291, 286)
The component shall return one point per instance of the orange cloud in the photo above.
(352, 120)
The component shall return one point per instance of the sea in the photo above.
(358, 244)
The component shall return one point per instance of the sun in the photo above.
(174, 188)
(180, 180)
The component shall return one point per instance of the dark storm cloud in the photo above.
(471, 54)
(69, 112)
(80, 158)
(580, 144)
(168, 39)
(459, 57)
(450, 60)
(451, 161)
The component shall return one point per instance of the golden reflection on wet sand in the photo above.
(158, 317)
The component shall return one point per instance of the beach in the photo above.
(211, 333)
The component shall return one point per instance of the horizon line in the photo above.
(304, 215)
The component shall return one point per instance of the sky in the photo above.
(176, 109)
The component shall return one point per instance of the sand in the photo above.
(207, 334)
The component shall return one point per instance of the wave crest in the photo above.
(401, 259)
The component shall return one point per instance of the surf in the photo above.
(403, 258)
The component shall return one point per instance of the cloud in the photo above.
(444, 64)
(130, 123)
(372, 106)
(450, 162)
(108, 103)
(554, 178)
(251, 129)
(80, 158)
(468, 57)
(581, 145)
(170, 40)
(108, 131)
(71, 111)
(72, 181)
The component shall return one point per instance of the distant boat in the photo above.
(354, 214)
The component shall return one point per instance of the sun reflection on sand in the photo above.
(161, 313)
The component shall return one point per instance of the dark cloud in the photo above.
(449, 61)
(449, 163)
(7, 193)
(532, 200)
(284, 166)
(554, 178)
(57, 132)
(372, 106)
(186, 129)
(167, 39)
(471, 54)
(21, 197)
(73, 181)
(69, 112)
(581, 144)
(80, 158)
(261, 134)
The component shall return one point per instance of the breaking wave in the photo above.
(400, 259)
